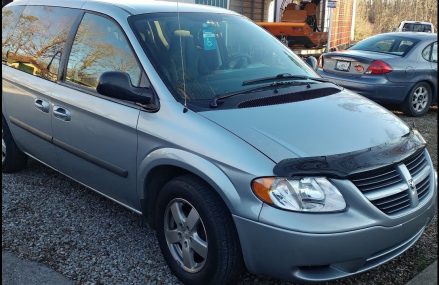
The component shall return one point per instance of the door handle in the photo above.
(61, 113)
(42, 105)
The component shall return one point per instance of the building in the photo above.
(343, 16)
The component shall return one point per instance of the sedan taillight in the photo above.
(378, 67)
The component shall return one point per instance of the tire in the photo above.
(13, 159)
(418, 100)
(222, 262)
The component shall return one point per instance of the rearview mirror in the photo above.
(116, 84)
(312, 61)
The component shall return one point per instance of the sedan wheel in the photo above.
(418, 101)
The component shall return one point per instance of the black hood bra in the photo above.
(347, 164)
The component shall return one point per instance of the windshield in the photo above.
(219, 52)
(386, 44)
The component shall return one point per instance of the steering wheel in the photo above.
(238, 61)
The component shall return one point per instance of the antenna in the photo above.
(181, 55)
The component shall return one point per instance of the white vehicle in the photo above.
(415, 26)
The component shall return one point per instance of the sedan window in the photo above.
(434, 53)
(426, 53)
(386, 44)
(430, 52)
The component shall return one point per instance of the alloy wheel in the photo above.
(185, 235)
(420, 99)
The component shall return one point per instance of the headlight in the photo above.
(307, 194)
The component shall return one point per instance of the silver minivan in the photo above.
(230, 146)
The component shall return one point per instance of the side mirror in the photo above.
(312, 61)
(116, 84)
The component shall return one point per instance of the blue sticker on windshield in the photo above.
(209, 38)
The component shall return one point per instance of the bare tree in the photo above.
(380, 16)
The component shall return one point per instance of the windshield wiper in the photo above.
(282, 76)
(214, 102)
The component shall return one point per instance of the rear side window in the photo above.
(10, 16)
(100, 46)
(38, 40)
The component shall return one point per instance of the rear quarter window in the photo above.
(430, 52)
(38, 40)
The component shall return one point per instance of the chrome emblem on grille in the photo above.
(408, 179)
(411, 184)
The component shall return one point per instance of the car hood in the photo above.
(335, 124)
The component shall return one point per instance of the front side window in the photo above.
(386, 44)
(100, 46)
(38, 40)
(10, 16)
(207, 54)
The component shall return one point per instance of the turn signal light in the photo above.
(378, 67)
(261, 187)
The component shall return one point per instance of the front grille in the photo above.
(376, 179)
(393, 203)
(386, 188)
(416, 163)
(423, 187)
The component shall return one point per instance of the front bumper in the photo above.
(374, 87)
(315, 257)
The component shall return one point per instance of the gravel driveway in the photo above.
(48, 218)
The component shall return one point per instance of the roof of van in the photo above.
(131, 6)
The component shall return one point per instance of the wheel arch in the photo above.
(430, 84)
(161, 165)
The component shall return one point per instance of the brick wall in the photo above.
(341, 24)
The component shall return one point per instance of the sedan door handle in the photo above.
(61, 113)
(42, 105)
